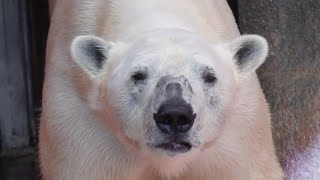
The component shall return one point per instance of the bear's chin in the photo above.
(170, 164)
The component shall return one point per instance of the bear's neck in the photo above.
(145, 16)
(129, 19)
(154, 21)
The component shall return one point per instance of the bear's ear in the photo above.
(90, 53)
(249, 52)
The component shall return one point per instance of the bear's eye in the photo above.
(139, 76)
(209, 78)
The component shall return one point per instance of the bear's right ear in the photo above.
(90, 53)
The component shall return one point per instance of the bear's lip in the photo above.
(176, 147)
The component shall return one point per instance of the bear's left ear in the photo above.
(249, 52)
(90, 53)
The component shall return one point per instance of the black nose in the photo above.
(174, 117)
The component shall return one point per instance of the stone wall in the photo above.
(290, 78)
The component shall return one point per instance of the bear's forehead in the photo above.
(172, 46)
(170, 36)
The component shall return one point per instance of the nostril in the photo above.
(184, 123)
(167, 118)
(182, 118)
(163, 122)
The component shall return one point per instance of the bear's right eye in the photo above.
(139, 76)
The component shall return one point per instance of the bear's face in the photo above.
(170, 91)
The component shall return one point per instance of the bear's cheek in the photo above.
(210, 121)
(108, 118)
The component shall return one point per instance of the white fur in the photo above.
(88, 128)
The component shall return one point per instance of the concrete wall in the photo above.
(290, 78)
(23, 29)
(16, 128)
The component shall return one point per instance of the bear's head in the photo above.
(168, 93)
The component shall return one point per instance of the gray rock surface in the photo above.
(290, 78)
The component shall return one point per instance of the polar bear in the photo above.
(153, 89)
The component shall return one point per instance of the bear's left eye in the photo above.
(139, 76)
(209, 78)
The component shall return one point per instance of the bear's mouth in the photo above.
(175, 147)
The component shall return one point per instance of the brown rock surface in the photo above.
(290, 78)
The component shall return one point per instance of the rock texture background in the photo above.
(290, 78)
